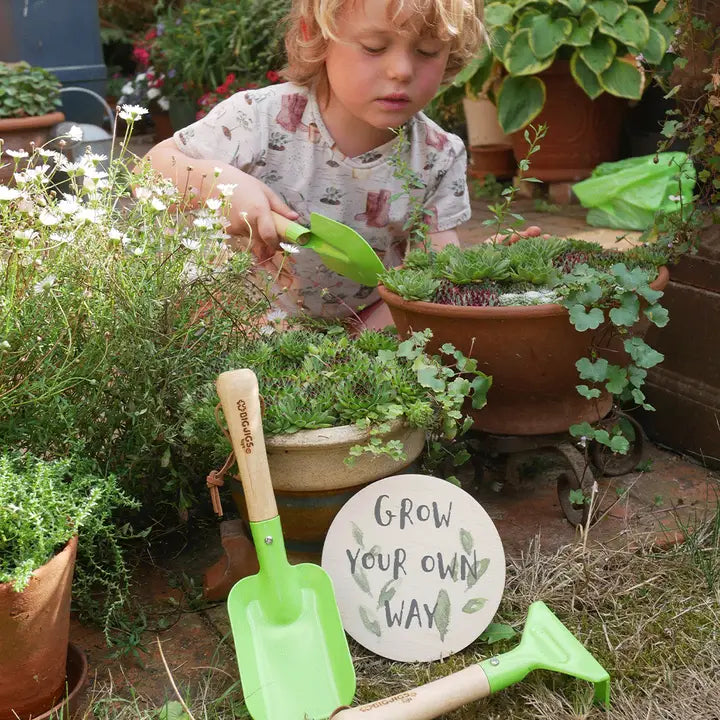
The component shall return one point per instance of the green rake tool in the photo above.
(546, 644)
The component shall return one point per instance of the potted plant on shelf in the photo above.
(489, 147)
(48, 508)
(339, 412)
(573, 65)
(29, 98)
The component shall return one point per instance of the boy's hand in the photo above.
(250, 215)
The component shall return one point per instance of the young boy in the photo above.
(358, 70)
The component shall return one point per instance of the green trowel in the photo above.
(546, 644)
(340, 248)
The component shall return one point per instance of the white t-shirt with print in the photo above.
(277, 135)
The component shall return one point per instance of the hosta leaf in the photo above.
(599, 54)
(499, 37)
(623, 79)
(519, 102)
(519, 58)
(585, 77)
(580, 34)
(656, 47)
(575, 6)
(583, 320)
(610, 10)
(547, 35)
(525, 20)
(631, 29)
(498, 14)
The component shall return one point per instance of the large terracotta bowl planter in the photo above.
(312, 481)
(34, 636)
(22, 134)
(581, 134)
(530, 351)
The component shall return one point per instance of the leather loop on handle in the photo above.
(239, 396)
(424, 702)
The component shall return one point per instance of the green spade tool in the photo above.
(289, 640)
(546, 644)
(341, 249)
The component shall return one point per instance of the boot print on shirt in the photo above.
(377, 209)
(290, 116)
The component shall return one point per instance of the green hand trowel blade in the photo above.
(342, 250)
(546, 644)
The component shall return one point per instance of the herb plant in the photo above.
(312, 379)
(27, 91)
(45, 503)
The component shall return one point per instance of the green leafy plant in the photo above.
(609, 45)
(312, 379)
(27, 91)
(199, 43)
(115, 295)
(44, 503)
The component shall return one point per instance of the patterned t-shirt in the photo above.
(277, 135)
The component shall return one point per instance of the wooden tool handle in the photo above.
(240, 399)
(425, 702)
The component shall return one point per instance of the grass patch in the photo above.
(649, 617)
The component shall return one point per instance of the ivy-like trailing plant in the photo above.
(44, 503)
(312, 379)
(603, 290)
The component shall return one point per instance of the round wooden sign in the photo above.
(418, 567)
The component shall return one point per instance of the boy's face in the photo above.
(381, 72)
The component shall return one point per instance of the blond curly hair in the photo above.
(311, 23)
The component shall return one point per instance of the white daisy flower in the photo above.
(75, 133)
(132, 112)
(292, 249)
(25, 235)
(69, 205)
(191, 243)
(8, 193)
(143, 193)
(213, 203)
(276, 315)
(158, 204)
(267, 330)
(226, 189)
(17, 153)
(204, 222)
(47, 218)
(45, 284)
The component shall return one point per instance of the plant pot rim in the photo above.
(70, 546)
(33, 121)
(330, 437)
(76, 678)
(497, 312)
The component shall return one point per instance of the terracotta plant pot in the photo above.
(530, 351)
(76, 676)
(482, 123)
(34, 636)
(312, 481)
(21, 134)
(162, 127)
(582, 133)
(497, 160)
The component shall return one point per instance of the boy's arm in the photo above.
(251, 199)
(439, 240)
